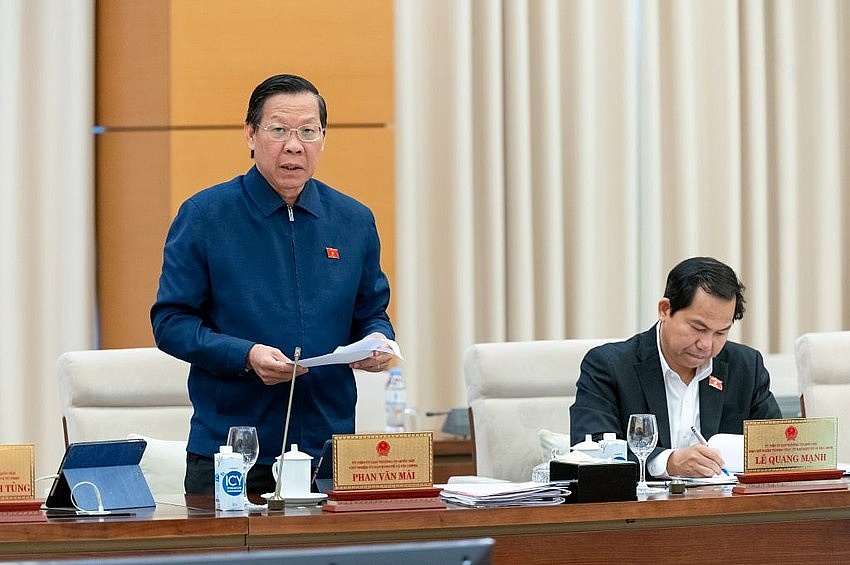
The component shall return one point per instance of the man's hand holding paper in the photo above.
(372, 353)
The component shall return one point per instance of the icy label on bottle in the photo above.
(231, 483)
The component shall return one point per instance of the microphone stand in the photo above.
(277, 503)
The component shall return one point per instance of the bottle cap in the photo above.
(225, 449)
(588, 443)
(609, 436)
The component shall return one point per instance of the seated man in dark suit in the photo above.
(683, 370)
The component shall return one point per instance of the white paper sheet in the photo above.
(356, 351)
(731, 448)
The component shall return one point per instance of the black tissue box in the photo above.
(603, 482)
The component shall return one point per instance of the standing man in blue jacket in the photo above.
(683, 369)
(259, 265)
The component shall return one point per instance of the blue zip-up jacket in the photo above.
(241, 267)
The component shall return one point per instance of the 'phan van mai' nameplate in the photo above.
(790, 444)
(379, 461)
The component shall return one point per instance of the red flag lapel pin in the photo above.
(715, 382)
(333, 252)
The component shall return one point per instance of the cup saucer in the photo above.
(306, 499)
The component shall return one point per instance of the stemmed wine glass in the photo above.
(642, 436)
(244, 440)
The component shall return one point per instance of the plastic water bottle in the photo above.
(395, 400)
(229, 479)
(613, 448)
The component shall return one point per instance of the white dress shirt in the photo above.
(682, 409)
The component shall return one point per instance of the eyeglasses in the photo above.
(307, 133)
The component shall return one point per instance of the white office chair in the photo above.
(784, 382)
(823, 366)
(119, 393)
(515, 389)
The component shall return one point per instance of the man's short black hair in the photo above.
(709, 274)
(282, 84)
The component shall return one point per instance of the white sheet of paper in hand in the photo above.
(731, 447)
(356, 351)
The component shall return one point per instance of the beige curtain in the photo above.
(556, 158)
(47, 212)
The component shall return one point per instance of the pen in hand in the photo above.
(705, 443)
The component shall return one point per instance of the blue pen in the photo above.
(705, 443)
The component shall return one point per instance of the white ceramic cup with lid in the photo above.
(296, 473)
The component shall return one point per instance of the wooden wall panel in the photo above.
(132, 61)
(202, 158)
(221, 49)
(133, 215)
(173, 81)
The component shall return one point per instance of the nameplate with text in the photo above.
(790, 444)
(17, 472)
(383, 461)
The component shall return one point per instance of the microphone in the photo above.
(277, 503)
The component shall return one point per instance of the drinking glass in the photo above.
(642, 436)
(244, 440)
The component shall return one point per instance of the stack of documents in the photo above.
(488, 495)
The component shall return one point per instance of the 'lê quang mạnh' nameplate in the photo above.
(379, 461)
(790, 444)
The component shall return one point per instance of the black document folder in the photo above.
(110, 466)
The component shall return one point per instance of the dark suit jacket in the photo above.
(623, 378)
